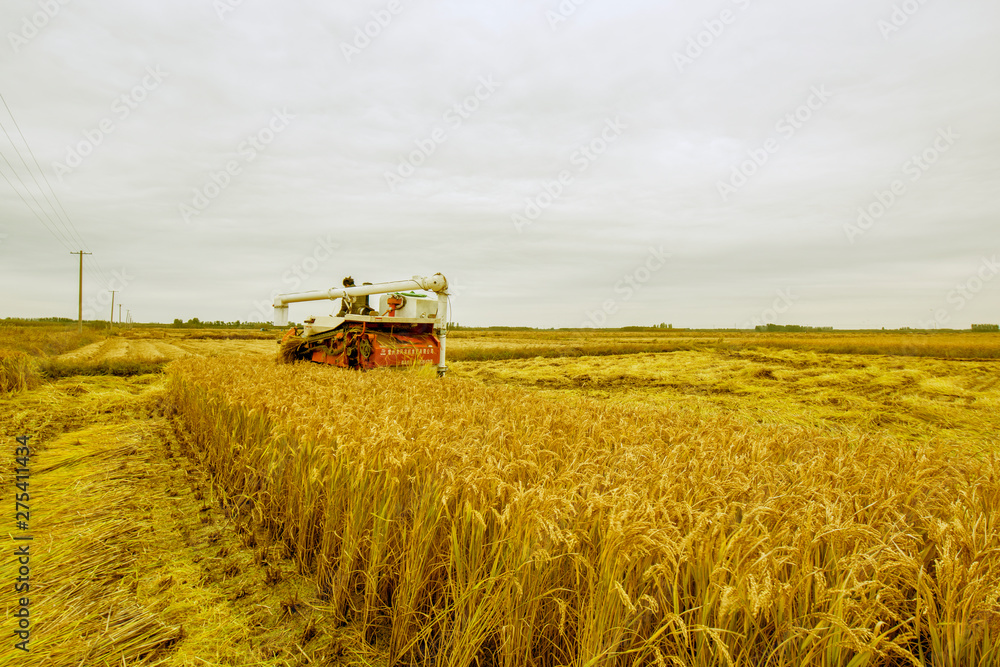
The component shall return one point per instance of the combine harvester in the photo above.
(407, 329)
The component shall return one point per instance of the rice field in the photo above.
(479, 345)
(910, 398)
(573, 498)
(475, 524)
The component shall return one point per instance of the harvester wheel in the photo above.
(365, 347)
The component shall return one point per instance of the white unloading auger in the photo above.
(396, 321)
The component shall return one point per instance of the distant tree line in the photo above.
(986, 327)
(646, 328)
(455, 325)
(195, 323)
(789, 327)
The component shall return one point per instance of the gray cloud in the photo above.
(357, 118)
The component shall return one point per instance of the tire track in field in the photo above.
(85, 353)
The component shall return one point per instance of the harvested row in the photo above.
(469, 523)
(97, 350)
(477, 345)
(123, 348)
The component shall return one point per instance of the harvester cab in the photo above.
(409, 326)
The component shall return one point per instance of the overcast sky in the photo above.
(704, 164)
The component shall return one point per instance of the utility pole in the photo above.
(80, 300)
(119, 316)
(111, 322)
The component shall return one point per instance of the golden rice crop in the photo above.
(476, 524)
(41, 340)
(17, 371)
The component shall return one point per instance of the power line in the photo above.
(45, 178)
(68, 226)
(62, 240)
(66, 241)
(65, 230)
(52, 227)
(101, 275)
